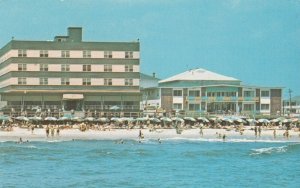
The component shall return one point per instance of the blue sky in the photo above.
(257, 42)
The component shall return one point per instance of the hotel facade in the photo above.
(199, 91)
(68, 74)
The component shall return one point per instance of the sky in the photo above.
(257, 42)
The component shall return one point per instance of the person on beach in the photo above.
(32, 129)
(52, 131)
(47, 131)
(259, 131)
(57, 131)
(201, 130)
(274, 133)
(141, 135)
(286, 134)
(255, 131)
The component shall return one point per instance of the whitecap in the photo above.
(269, 150)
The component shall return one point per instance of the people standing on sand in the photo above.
(255, 131)
(52, 131)
(201, 130)
(274, 133)
(47, 131)
(32, 129)
(286, 134)
(259, 131)
(141, 135)
(57, 131)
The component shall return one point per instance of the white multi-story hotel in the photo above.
(70, 74)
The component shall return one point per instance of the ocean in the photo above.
(171, 163)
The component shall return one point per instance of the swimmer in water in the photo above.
(159, 141)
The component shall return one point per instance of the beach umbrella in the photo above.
(296, 120)
(189, 119)
(116, 119)
(177, 119)
(154, 120)
(203, 119)
(251, 120)
(142, 119)
(274, 120)
(5, 118)
(127, 119)
(287, 121)
(79, 119)
(22, 118)
(238, 119)
(165, 119)
(227, 119)
(263, 121)
(89, 119)
(103, 120)
(64, 118)
(50, 119)
(35, 118)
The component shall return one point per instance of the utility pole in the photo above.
(290, 95)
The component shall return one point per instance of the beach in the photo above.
(39, 134)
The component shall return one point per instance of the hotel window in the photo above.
(21, 81)
(86, 54)
(107, 54)
(86, 68)
(43, 53)
(107, 68)
(177, 106)
(248, 93)
(194, 93)
(22, 53)
(65, 53)
(65, 67)
(128, 68)
(177, 93)
(43, 67)
(248, 107)
(194, 107)
(43, 81)
(22, 67)
(128, 82)
(107, 82)
(265, 107)
(265, 93)
(128, 55)
(65, 81)
(86, 81)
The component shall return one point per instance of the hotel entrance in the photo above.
(73, 102)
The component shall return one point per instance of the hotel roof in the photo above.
(197, 75)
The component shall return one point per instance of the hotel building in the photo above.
(201, 91)
(68, 74)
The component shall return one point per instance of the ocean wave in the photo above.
(269, 150)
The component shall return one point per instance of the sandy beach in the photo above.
(39, 134)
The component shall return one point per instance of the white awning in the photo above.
(72, 96)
